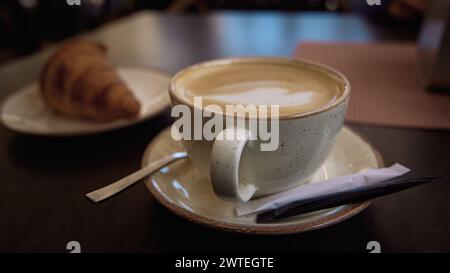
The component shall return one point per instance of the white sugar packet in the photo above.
(333, 185)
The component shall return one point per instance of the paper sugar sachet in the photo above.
(333, 185)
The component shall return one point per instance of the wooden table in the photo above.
(43, 180)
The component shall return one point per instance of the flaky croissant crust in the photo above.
(79, 81)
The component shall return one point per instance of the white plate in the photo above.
(191, 196)
(25, 111)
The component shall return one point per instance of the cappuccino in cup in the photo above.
(295, 89)
(310, 101)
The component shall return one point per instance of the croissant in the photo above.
(79, 81)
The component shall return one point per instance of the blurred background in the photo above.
(29, 25)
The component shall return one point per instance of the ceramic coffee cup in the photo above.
(238, 168)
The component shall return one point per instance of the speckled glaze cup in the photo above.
(239, 170)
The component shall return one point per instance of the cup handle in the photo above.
(225, 159)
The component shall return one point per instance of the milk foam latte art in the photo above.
(294, 89)
(256, 90)
(256, 126)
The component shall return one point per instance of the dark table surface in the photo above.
(43, 180)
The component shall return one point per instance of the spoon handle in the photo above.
(108, 191)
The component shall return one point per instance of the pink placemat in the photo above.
(385, 87)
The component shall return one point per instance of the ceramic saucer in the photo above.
(182, 190)
(26, 112)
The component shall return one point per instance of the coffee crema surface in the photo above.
(296, 88)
